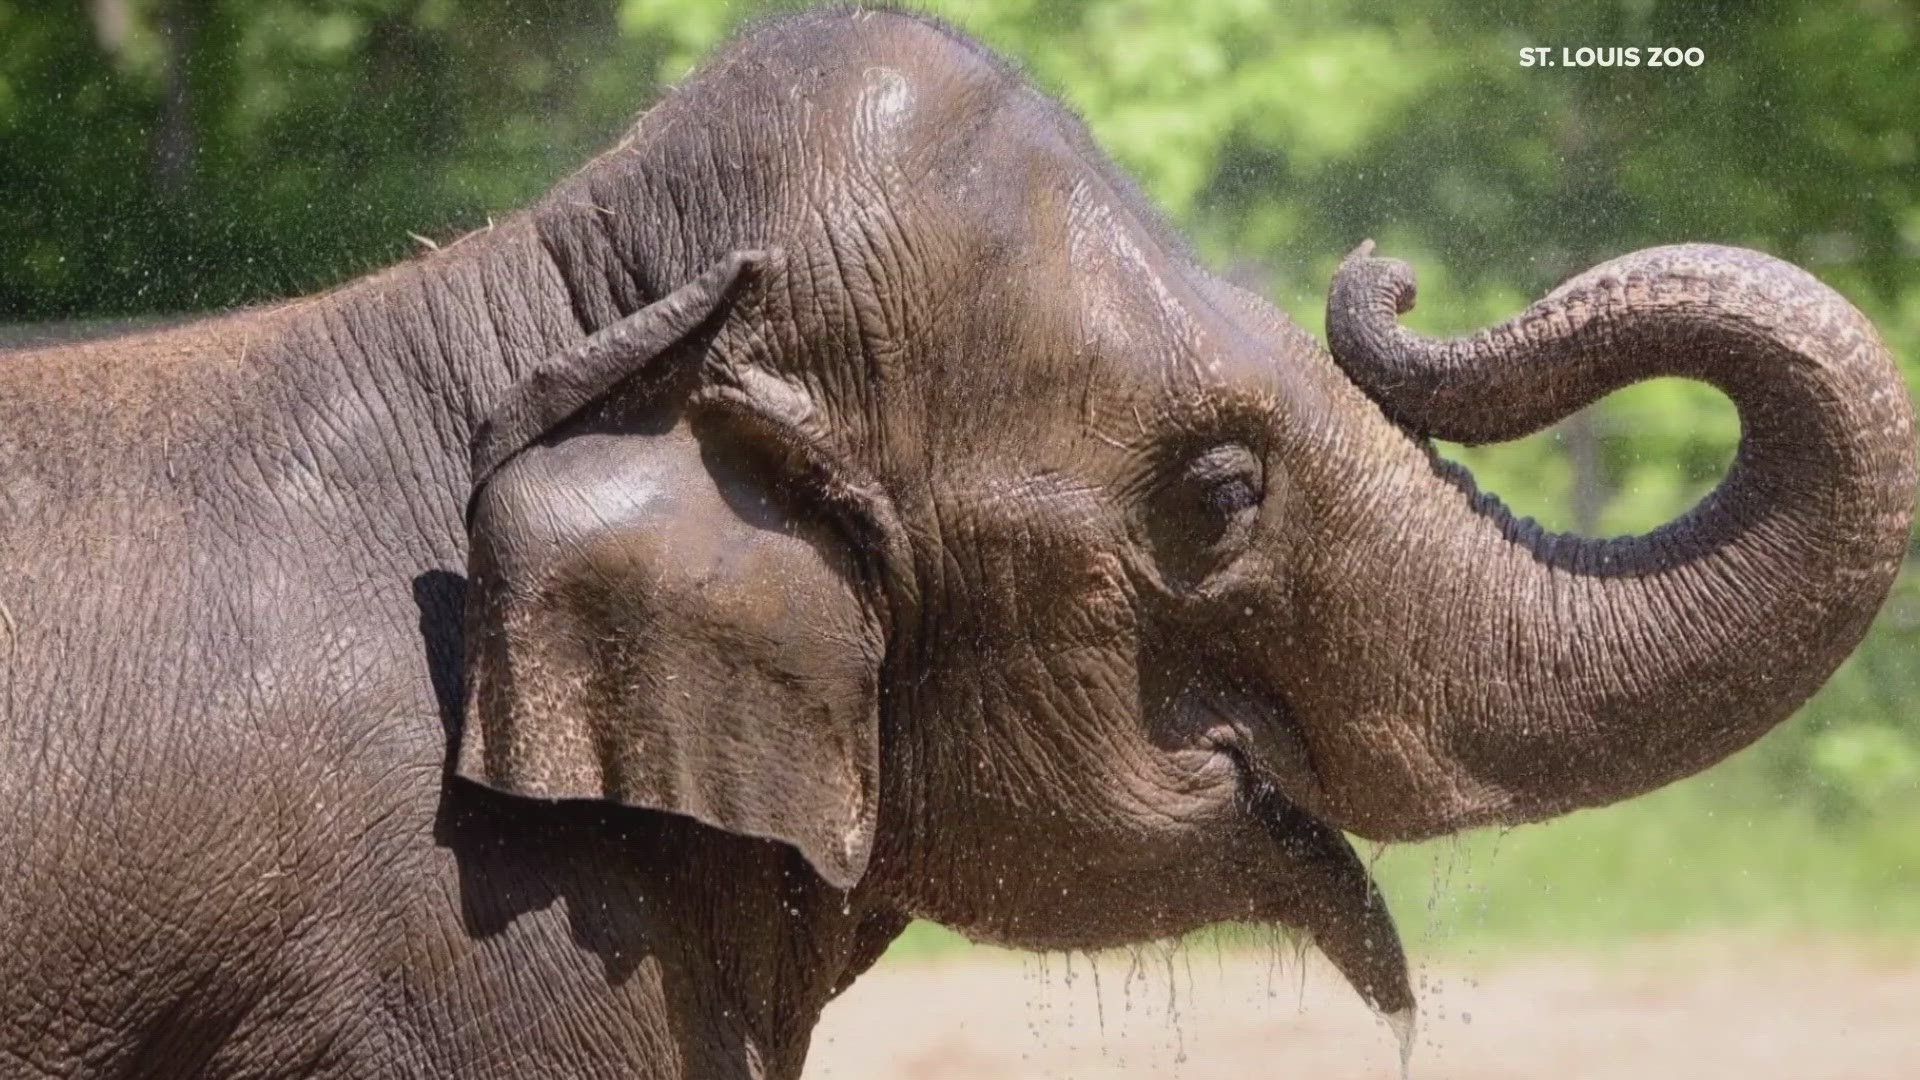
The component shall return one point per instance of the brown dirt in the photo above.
(1738, 1011)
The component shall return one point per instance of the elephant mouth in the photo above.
(1325, 888)
(1267, 747)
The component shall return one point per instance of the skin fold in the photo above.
(580, 650)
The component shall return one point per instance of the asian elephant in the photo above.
(578, 651)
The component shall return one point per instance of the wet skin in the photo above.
(580, 650)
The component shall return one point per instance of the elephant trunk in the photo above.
(1536, 673)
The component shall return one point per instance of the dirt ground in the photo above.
(1738, 1011)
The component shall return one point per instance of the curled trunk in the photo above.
(1540, 672)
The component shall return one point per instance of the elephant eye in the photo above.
(1227, 479)
(1231, 496)
(1201, 508)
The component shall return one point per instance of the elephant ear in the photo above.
(659, 614)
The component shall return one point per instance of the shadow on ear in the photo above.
(657, 617)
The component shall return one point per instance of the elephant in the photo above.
(581, 649)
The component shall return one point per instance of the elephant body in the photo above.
(580, 650)
(234, 580)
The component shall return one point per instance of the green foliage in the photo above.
(166, 155)
(1721, 855)
(216, 152)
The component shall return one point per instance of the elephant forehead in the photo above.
(1129, 302)
(1102, 320)
(883, 112)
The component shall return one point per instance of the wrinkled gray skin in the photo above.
(922, 533)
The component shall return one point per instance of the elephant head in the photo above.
(922, 504)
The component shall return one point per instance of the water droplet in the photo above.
(1404, 1025)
